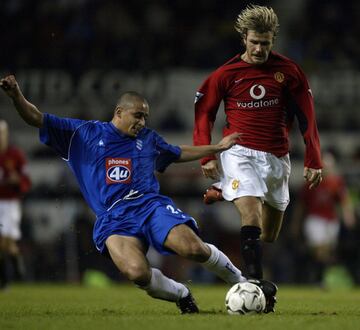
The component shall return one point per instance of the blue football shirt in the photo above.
(112, 169)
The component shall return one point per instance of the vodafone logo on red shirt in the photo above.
(257, 93)
(118, 170)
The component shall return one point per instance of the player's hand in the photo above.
(228, 141)
(313, 176)
(10, 86)
(211, 169)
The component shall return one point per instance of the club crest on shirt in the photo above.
(139, 144)
(235, 184)
(279, 76)
(118, 170)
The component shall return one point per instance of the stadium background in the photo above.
(74, 57)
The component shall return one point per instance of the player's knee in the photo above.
(137, 273)
(252, 218)
(197, 251)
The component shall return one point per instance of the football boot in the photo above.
(269, 289)
(187, 305)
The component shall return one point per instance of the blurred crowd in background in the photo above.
(74, 57)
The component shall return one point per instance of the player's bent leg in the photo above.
(250, 209)
(164, 288)
(128, 254)
(271, 223)
(221, 265)
(183, 241)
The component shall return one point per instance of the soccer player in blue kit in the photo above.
(114, 163)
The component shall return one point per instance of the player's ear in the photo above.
(244, 35)
(118, 110)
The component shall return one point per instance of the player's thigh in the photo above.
(250, 209)
(128, 254)
(184, 242)
(272, 219)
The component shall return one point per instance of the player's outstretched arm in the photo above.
(189, 153)
(27, 111)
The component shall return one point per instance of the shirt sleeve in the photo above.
(167, 153)
(303, 104)
(57, 133)
(207, 102)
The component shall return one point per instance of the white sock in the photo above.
(221, 265)
(162, 287)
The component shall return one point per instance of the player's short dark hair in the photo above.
(129, 97)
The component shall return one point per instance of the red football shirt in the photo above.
(260, 102)
(13, 160)
(324, 200)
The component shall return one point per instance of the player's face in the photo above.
(258, 47)
(132, 118)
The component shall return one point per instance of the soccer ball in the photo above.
(245, 298)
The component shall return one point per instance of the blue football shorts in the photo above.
(150, 222)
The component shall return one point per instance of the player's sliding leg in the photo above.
(162, 287)
(219, 264)
(183, 240)
(128, 254)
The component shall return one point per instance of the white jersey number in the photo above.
(172, 209)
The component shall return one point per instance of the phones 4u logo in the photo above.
(118, 170)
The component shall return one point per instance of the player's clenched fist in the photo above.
(10, 86)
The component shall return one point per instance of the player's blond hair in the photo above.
(258, 18)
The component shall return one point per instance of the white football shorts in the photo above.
(10, 217)
(319, 231)
(248, 172)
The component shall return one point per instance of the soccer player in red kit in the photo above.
(262, 92)
(318, 214)
(14, 182)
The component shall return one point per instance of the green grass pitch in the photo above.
(126, 307)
